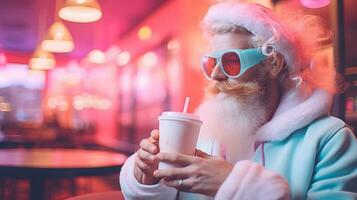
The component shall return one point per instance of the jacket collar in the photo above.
(296, 110)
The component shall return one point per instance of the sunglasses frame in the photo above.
(248, 58)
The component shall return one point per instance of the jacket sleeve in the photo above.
(132, 189)
(249, 180)
(335, 173)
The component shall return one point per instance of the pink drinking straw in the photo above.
(187, 100)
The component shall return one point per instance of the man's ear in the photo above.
(277, 65)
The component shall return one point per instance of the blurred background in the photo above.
(96, 74)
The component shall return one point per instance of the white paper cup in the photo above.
(178, 134)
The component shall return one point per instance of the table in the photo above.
(39, 164)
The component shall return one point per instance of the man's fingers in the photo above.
(148, 146)
(172, 173)
(144, 155)
(175, 158)
(155, 134)
(144, 167)
(182, 185)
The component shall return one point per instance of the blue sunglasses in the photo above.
(232, 62)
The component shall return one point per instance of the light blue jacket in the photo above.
(315, 153)
(319, 161)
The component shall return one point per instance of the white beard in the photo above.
(231, 123)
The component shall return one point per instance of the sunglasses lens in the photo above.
(208, 64)
(231, 63)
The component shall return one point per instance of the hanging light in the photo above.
(315, 3)
(81, 11)
(42, 60)
(58, 39)
(145, 33)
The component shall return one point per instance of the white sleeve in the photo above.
(132, 189)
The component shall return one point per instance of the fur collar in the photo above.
(296, 110)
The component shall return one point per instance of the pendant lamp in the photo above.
(42, 60)
(81, 11)
(58, 39)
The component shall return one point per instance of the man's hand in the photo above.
(200, 174)
(145, 163)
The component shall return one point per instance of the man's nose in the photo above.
(217, 74)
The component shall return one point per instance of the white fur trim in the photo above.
(296, 110)
(249, 180)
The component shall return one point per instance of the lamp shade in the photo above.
(315, 3)
(81, 11)
(42, 60)
(58, 39)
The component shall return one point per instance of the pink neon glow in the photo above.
(3, 59)
(315, 3)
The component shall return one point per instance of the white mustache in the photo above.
(239, 89)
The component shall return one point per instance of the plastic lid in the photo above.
(180, 115)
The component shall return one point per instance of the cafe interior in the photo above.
(82, 82)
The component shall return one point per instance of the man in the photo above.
(266, 131)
